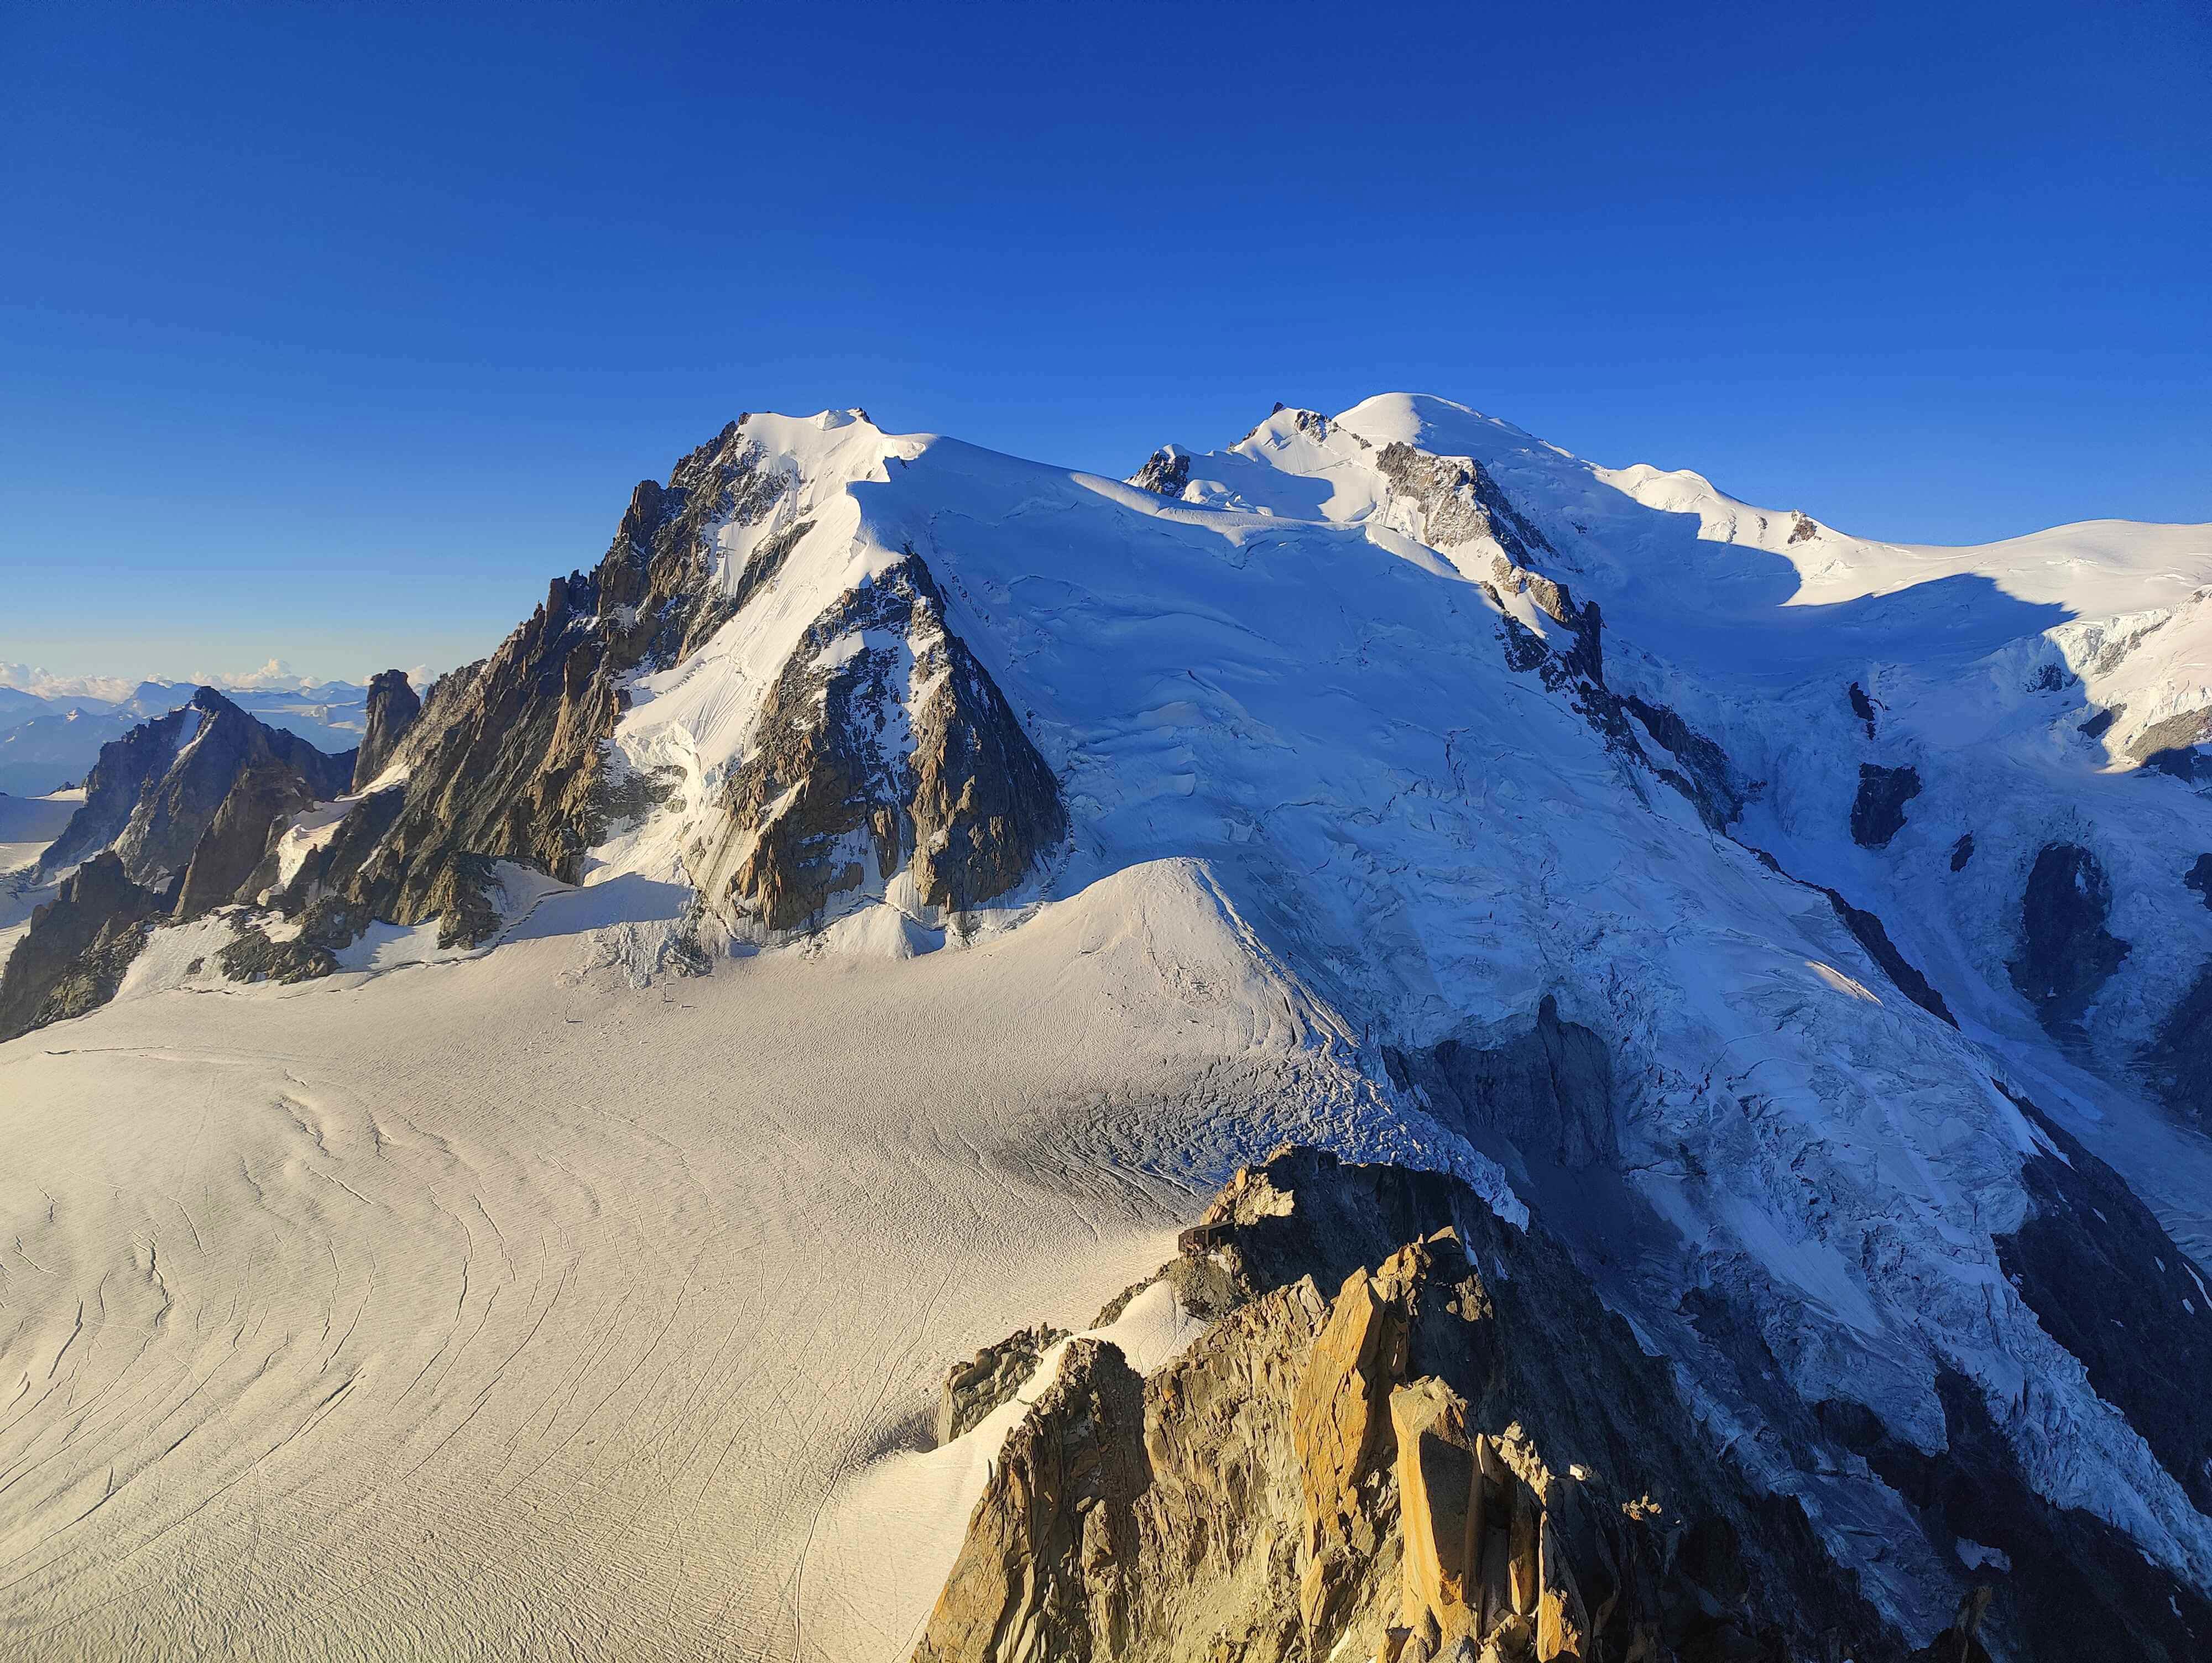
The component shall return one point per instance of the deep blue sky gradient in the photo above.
(329, 333)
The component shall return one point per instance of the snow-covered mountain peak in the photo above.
(1755, 906)
(1441, 426)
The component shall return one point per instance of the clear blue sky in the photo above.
(329, 332)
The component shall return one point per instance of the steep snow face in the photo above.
(1671, 551)
(2048, 688)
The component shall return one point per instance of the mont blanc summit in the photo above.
(1380, 1041)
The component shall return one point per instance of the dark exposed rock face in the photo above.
(765, 561)
(239, 836)
(1803, 528)
(847, 772)
(2176, 1065)
(2066, 954)
(1458, 500)
(506, 757)
(1707, 777)
(326, 926)
(1870, 934)
(78, 946)
(1962, 851)
(325, 870)
(1383, 1450)
(2077, 1587)
(664, 551)
(175, 809)
(1586, 656)
(2199, 878)
(112, 790)
(393, 704)
(1863, 708)
(1703, 772)
(2171, 745)
(2178, 1062)
(1312, 424)
(1867, 929)
(1524, 647)
(1550, 1091)
(2100, 724)
(1878, 811)
(211, 784)
(1165, 473)
(513, 772)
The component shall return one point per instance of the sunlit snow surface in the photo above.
(535, 1302)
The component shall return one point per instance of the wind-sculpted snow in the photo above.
(554, 1292)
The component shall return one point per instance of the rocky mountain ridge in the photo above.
(1448, 1449)
(176, 814)
(50, 734)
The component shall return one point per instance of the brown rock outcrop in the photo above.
(990, 1378)
(1457, 1456)
(506, 757)
(1483, 1559)
(237, 838)
(1340, 1423)
(1043, 1575)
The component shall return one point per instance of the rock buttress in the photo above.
(884, 744)
(1460, 1445)
(506, 758)
(393, 704)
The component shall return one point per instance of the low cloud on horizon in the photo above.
(275, 676)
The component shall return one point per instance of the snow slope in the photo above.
(497, 1309)
(1984, 663)
(536, 1302)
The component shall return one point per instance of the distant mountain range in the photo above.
(49, 739)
